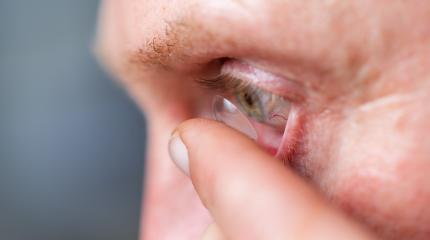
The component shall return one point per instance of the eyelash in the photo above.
(225, 83)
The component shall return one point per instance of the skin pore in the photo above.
(364, 74)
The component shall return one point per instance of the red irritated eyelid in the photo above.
(274, 83)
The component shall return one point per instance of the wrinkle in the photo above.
(389, 100)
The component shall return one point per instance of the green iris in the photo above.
(250, 103)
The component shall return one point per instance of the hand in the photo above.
(250, 194)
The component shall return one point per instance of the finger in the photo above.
(213, 233)
(250, 194)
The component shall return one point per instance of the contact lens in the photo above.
(267, 135)
(226, 112)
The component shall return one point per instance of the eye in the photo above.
(258, 113)
(262, 106)
(261, 114)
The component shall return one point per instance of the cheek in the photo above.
(395, 207)
(374, 166)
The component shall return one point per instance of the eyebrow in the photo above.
(188, 41)
(171, 44)
(157, 50)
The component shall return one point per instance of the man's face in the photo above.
(363, 74)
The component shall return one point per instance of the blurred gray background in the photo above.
(71, 142)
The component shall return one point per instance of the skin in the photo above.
(363, 150)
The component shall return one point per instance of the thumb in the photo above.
(250, 194)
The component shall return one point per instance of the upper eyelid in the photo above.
(218, 83)
(286, 86)
(226, 84)
(223, 82)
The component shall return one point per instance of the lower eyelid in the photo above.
(293, 134)
(268, 137)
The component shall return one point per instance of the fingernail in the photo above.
(179, 153)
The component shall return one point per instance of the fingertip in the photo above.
(179, 153)
(199, 126)
(177, 149)
(200, 132)
(217, 155)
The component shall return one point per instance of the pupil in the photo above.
(249, 100)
